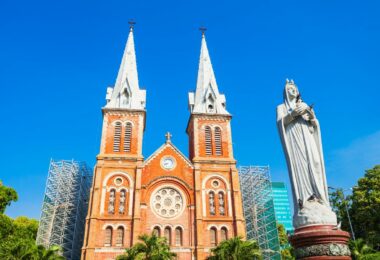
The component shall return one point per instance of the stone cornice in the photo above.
(212, 117)
(122, 110)
(167, 177)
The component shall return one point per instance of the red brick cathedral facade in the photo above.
(194, 202)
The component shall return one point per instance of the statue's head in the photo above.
(291, 89)
(290, 94)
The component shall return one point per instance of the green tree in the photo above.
(39, 252)
(151, 247)
(17, 236)
(365, 208)
(25, 227)
(24, 249)
(361, 251)
(236, 249)
(7, 195)
(282, 236)
(131, 253)
(286, 248)
(340, 203)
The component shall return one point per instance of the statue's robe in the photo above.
(302, 145)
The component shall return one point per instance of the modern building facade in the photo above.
(65, 207)
(282, 205)
(195, 201)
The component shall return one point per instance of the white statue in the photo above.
(301, 139)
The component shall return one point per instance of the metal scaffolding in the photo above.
(258, 207)
(64, 207)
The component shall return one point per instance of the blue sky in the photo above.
(58, 57)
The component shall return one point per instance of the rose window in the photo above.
(167, 202)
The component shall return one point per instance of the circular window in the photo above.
(215, 183)
(118, 181)
(167, 202)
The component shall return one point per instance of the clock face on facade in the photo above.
(167, 163)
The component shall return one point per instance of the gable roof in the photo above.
(168, 144)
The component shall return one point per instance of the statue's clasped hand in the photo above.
(300, 109)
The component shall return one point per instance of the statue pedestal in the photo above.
(320, 242)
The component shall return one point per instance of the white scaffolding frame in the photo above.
(258, 207)
(64, 207)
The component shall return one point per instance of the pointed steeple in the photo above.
(126, 92)
(206, 98)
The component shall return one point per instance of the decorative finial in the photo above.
(168, 137)
(203, 30)
(131, 24)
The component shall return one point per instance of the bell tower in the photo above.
(219, 212)
(113, 217)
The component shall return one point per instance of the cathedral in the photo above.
(195, 201)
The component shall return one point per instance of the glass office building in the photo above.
(282, 205)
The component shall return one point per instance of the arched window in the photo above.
(208, 140)
(178, 236)
(157, 231)
(122, 202)
(111, 202)
(116, 137)
(218, 141)
(211, 201)
(213, 237)
(223, 234)
(108, 236)
(210, 104)
(124, 98)
(168, 235)
(120, 236)
(127, 137)
(222, 210)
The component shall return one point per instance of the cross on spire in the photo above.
(168, 137)
(203, 30)
(131, 24)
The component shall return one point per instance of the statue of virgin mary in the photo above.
(301, 140)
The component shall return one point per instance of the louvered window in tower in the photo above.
(218, 141)
(116, 137)
(208, 140)
(127, 137)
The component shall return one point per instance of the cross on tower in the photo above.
(203, 29)
(168, 136)
(131, 24)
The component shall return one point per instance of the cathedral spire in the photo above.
(206, 98)
(126, 92)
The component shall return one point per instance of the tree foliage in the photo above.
(361, 251)
(236, 249)
(365, 208)
(17, 236)
(7, 195)
(286, 248)
(282, 236)
(340, 203)
(151, 247)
